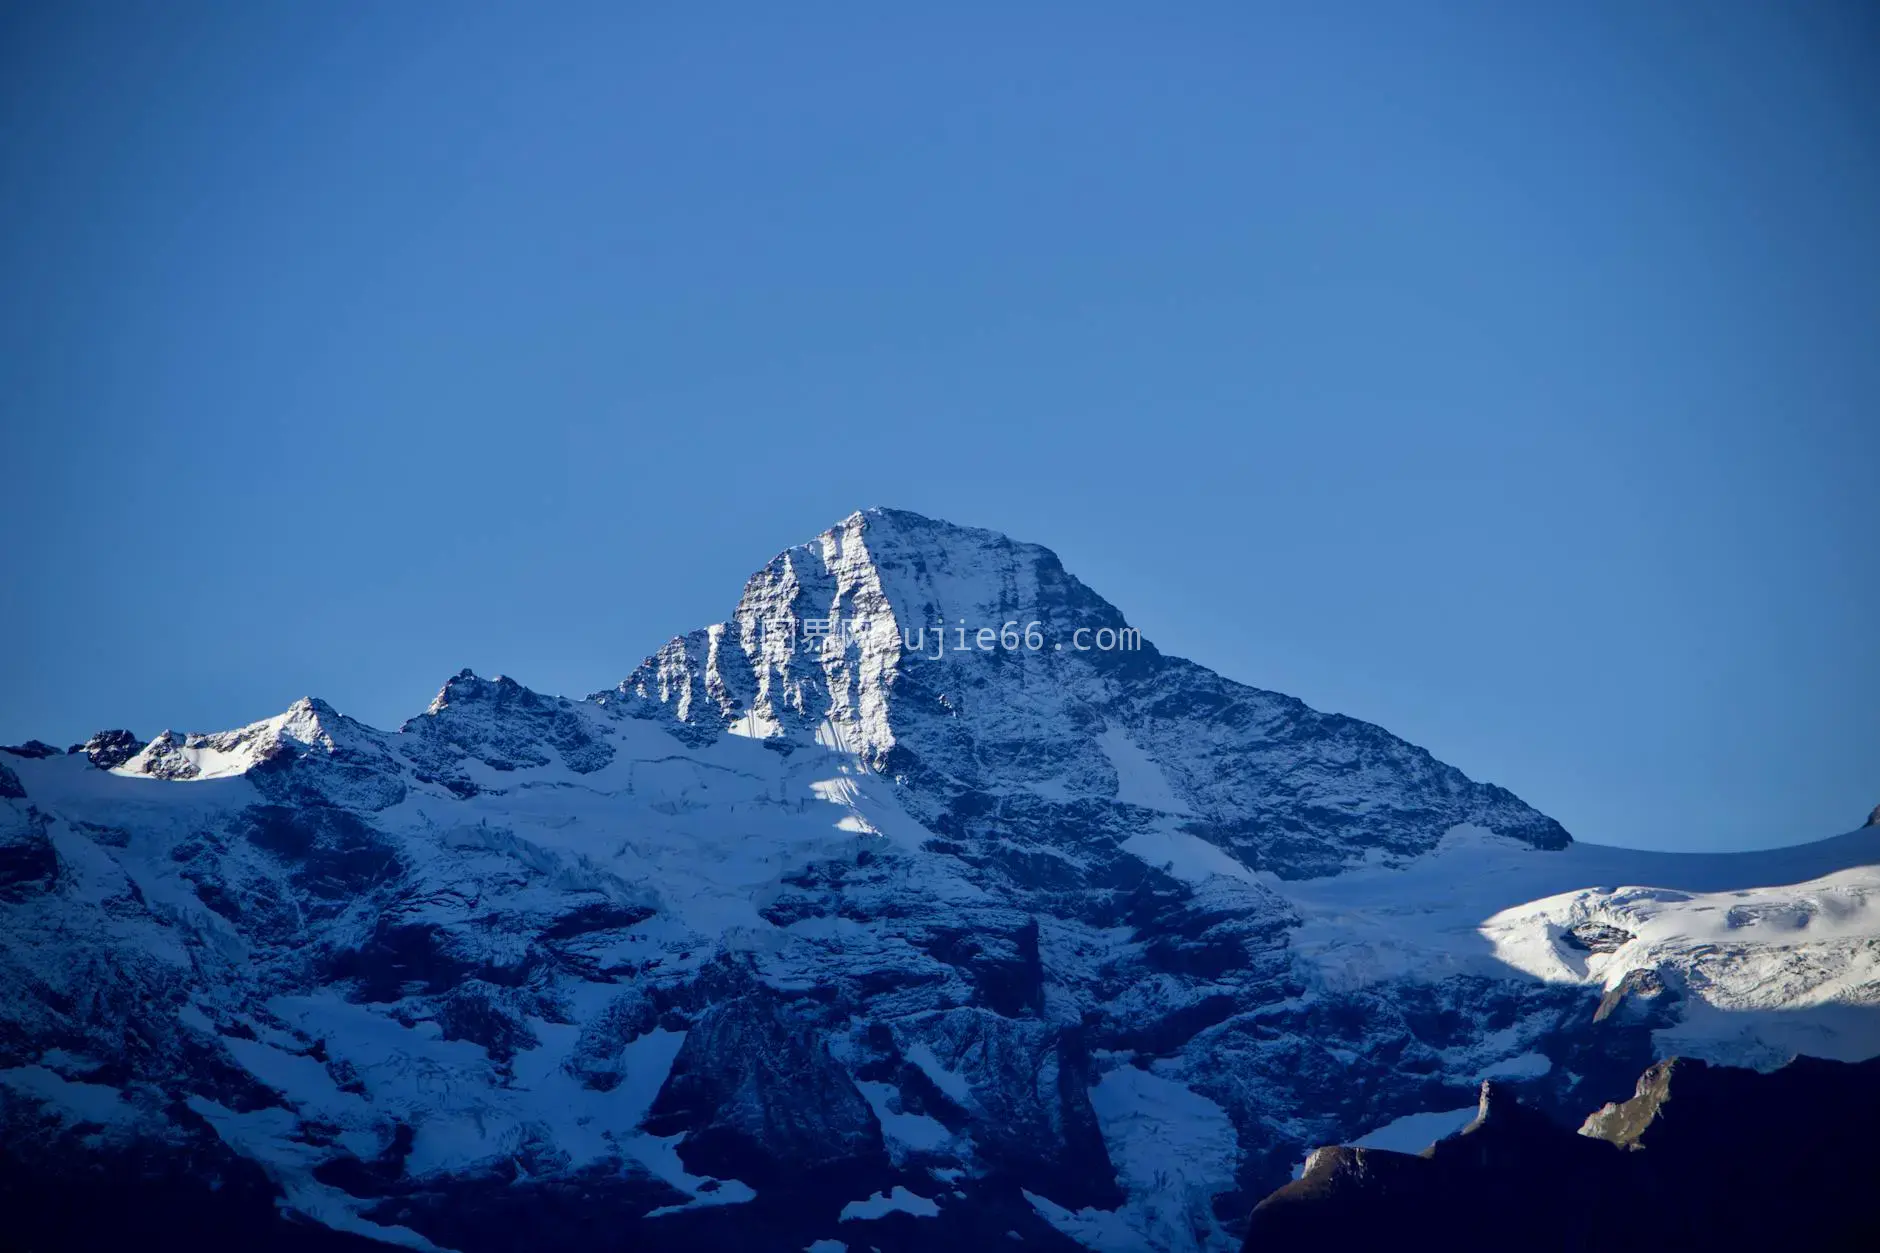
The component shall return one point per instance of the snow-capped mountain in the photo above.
(918, 900)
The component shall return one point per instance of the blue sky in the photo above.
(1504, 374)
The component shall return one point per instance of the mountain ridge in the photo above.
(795, 936)
(766, 688)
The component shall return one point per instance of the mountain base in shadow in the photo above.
(1700, 1154)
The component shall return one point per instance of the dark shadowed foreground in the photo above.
(1702, 1155)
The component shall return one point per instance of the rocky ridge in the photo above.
(1699, 1156)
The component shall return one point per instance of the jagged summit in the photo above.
(306, 724)
(1494, 1101)
(109, 749)
(467, 687)
(886, 526)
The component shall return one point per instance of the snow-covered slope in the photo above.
(869, 936)
(1767, 954)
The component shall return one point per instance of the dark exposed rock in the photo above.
(32, 750)
(600, 1052)
(502, 724)
(330, 852)
(1641, 993)
(404, 955)
(10, 786)
(529, 1204)
(595, 916)
(1688, 1108)
(108, 750)
(486, 1014)
(1701, 1156)
(759, 1098)
(192, 1194)
(1595, 937)
(375, 1176)
(28, 862)
(1004, 968)
(1496, 1175)
(167, 759)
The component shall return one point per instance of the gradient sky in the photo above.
(1506, 374)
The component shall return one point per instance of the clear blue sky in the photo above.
(1507, 374)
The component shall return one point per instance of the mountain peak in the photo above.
(467, 687)
(905, 523)
(108, 750)
(307, 724)
(968, 665)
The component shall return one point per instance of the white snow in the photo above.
(1139, 780)
(1412, 1133)
(898, 1201)
(464, 1113)
(951, 1082)
(1521, 1066)
(1415, 1132)
(1188, 857)
(903, 1130)
(269, 1137)
(1106, 1231)
(74, 1102)
(1770, 970)
(225, 754)
(1173, 1150)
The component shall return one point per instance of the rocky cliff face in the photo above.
(823, 925)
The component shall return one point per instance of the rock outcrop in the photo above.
(1700, 1157)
